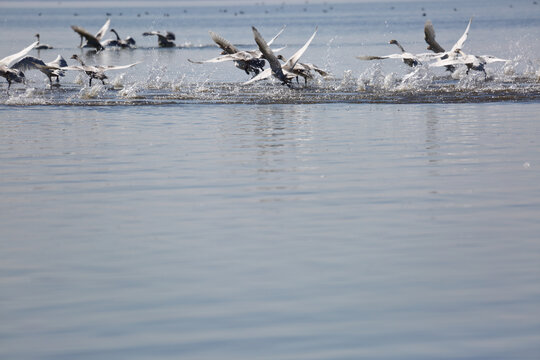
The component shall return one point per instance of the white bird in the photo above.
(14, 75)
(285, 72)
(304, 70)
(429, 36)
(164, 40)
(408, 58)
(473, 62)
(249, 61)
(50, 69)
(129, 42)
(96, 71)
(92, 40)
(415, 59)
(41, 46)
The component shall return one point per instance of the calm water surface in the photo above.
(367, 217)
(271, 231)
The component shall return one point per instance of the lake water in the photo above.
(176, 214)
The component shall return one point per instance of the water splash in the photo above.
(419, 85)
(93, 92)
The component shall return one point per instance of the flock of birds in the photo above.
(439, 56)
(252, 62)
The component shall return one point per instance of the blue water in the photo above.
(176, 214)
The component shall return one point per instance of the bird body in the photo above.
(284, 73)
(456, 56)
(127, 43)
(41, 46)
(473, 62)
(10, 74)
(50, 69)
(95, 71)
(250, 61)
(408, 58)
(305, 70)
(93, 41)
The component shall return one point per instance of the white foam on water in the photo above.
(96, 91)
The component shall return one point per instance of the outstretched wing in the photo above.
(268, 54)
(74, 68)
(371, 57)
(118, 67)
(224, 44)
(239, 56)
(313, 67)
(28, 63)
(488, 59)
(429, 36)
(277, 35)
(265, 74)
(90, 39)
(289, 65)
(99, 35)
(459, 44)
(59, 62)
(8, 60)
(157, 33)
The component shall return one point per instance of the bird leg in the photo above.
(90, 83)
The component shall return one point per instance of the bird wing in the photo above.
(451, 61)
(90, 39)
(157, 33)
(459, 44)
(117, 67)
(289, 65)
(74, 68)
(429, 36)
(313, 67)
(223, 43)
(268, 54)
(59, 62)
(278, 49)
(8, 60)
(28, 63)
(239, 56)
(488, 59)
(99, 35)
(265, 74)
(391, 56)
(277, 35)
(371, 57)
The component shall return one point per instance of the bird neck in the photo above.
(115, 33)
